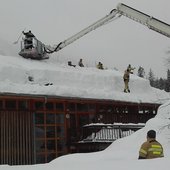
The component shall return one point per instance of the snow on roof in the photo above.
(47, 77)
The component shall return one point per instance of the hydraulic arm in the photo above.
(122, 9)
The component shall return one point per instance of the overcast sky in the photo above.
(116, 44)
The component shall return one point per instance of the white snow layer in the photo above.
(19, 75)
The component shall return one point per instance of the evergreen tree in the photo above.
(151, 77)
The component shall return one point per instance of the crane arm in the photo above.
(121, 10)
(149, 21)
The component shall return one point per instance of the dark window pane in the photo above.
(49, 106)
(40, 159)
(51, 157)
(39, 132)
(60, 106)
(71, 107)
(1, 104)
(60, 131)
(39, 105)
(60, 145)
(60, 118)
(51, 145)
(50, 118)
(40, 146)
(83, 120)
(92, 107)
(50, 131)
(10, 104)
(39, 118)
(82, 107)
(23, 105)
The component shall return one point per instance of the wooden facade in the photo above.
(37, 129)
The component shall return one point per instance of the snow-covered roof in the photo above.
(48, 77)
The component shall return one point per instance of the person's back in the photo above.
(151, 148)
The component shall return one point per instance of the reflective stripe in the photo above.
(155, 149)
(155, 146)
(143, 151)
(156, 153)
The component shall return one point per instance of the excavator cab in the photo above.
(34, 49)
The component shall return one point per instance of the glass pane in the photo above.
(49, 106)
(60, 145)
(10, 104)
(39, 105)
(23, 105)
(1, 104)
(51, 145)
(50, 118)
(39, 118)
(71, 107)
(50, 132)
(40, 146)
(40, 159)
(39, 132)
(60, 106)
(60, 131)
(60, 118)
(51, 157)
(83, 120)
(82, 107)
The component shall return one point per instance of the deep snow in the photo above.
(90, 83)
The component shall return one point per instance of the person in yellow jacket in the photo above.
(151, 148)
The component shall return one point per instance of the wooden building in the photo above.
(37, 129)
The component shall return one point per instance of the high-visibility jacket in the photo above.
(151, 149)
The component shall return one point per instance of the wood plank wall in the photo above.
(16, 138)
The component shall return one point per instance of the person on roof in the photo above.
(81, 63)
(100, 66)
(126, 78)
(151, 148)
(131, 69)
(28, 41)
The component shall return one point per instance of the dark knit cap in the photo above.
(151, 134)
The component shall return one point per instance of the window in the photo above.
(50, 132)
(50, 118)
(60, 118)
(60, 106)
(82, 107)
(49, 106)
(40, 159)
(39, 105)
(60, 131)
(1, 104)
(60, 145)
(51, 156)
(22, 105)
(40, 146)
(39, 132)
(10, 104)
(71, 107)
(51, 146)
(39, 118)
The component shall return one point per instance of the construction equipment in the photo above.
(41, 51)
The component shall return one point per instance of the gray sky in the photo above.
(116, 44)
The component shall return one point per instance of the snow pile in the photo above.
(19, 75)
